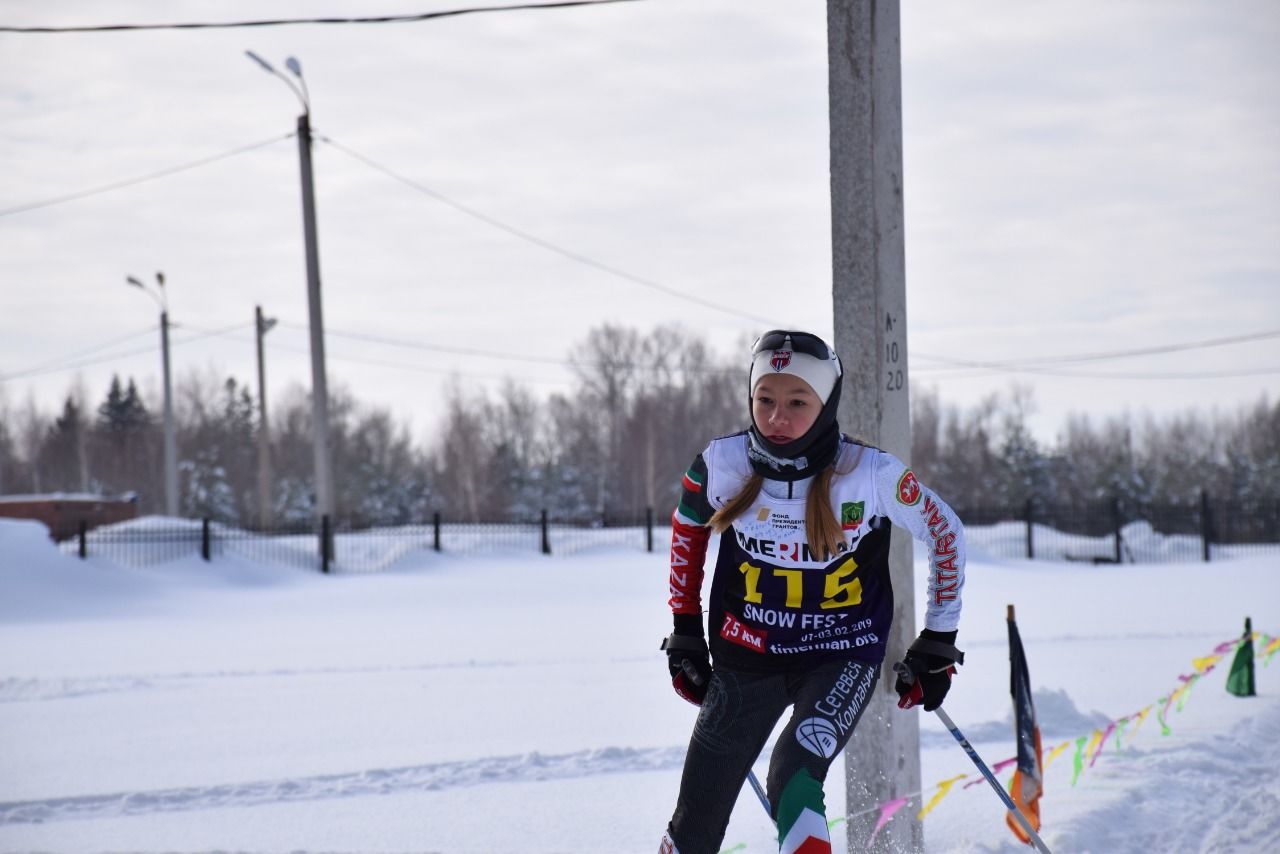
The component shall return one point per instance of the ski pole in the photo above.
(986, 772)
(755, 784)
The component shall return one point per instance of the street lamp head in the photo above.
(157, 294)
(266, 66)
(294, 66)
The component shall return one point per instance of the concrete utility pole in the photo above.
(170, 431)
(882, 762)
(319, 382)
(263, 325)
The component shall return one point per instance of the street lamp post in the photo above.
(263, 326)
(319, 384)
(170, 437)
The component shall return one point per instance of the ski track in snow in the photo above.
(25, 690)
(529, 767)
(1076, 637)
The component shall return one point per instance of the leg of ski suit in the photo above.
(737, 717)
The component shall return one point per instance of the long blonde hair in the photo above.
(821, 527)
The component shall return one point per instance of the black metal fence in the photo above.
(329, 547)
(1114, 532)
(1102, 532)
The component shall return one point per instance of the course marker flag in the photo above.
(1240, 678)
(1028, 780)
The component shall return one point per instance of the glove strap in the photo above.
(947, 651)
(684, 643)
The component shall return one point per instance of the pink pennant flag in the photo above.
(1111, 727)
(995, 769)
(886, 812)
(1003, 764)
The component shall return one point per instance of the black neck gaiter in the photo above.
(804, 457)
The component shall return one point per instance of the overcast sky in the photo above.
(1080, 178)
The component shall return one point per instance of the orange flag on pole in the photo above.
(1027, 784)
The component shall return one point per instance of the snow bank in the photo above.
(515, 702)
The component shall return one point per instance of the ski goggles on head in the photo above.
(799, 342)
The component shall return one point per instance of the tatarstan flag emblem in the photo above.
(908, 488)
(851, 514)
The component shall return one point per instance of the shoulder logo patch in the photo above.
(908, 488)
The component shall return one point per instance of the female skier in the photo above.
(800, 601)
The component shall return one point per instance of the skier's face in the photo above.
(784, 407)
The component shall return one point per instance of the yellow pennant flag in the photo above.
(1142, 716)
(1202, 665)
(1053, 754)
(943, 788)
(1094, 742)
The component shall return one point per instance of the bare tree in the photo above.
(32, 427)
(607, 364)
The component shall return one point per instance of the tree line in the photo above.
(643, 404)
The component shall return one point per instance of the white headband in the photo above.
(820, 374)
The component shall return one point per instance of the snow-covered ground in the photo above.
(511, 702)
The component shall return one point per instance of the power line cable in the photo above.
(540, 242)
(129, 182)
(50, 368)
(221, 332)
(1118, 375)
(435, 348)
(982, 368)
(71, 366)
(1014, 364)
(276, 22)
(339, 357)
(148, 330)
(523, 357)
(493, 354)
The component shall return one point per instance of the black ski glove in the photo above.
(924, 674)
(687, 658)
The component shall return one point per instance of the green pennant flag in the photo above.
(1240, 679)
(1079, 759)
(1164, 726)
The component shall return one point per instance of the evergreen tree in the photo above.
(62, 457)
(125, 448)
(12, 475)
